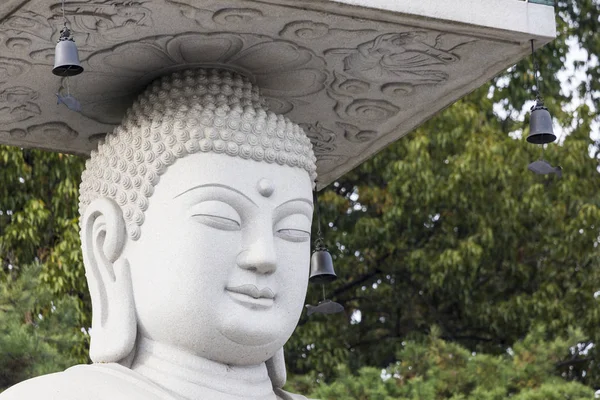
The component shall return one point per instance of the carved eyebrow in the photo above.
(218, 186)
(302, 199)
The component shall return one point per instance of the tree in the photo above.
(448, 228)
(41, 263)
(438, 369)
(37, 333)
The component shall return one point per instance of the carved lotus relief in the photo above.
(283, 70)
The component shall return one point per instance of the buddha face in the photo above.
(221, 267)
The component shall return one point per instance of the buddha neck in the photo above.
(194, 378)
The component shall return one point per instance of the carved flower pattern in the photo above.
(401, 57)
(367, 110)
(281, 69)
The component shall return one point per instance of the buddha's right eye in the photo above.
(217, 214)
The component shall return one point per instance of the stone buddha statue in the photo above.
(195, 227)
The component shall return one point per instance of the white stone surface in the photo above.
(355, 74)
(199, 304)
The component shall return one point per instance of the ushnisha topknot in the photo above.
(190, 111)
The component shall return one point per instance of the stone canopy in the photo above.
(355, 74)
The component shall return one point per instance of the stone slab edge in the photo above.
(500, 19)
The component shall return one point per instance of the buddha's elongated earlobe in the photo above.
(276, 369)
(113, 313)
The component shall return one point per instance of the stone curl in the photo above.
(191, 111)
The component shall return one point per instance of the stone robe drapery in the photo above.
(99, 382)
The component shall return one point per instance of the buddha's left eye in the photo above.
(293, 235)
(293, 228)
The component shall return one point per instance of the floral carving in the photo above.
(406, 57)
(367, 80)
(304, 30)
(17, 44)
(281, 69)
(104, 21)
(373, 77)
(309, 30)
(367, 110)
(52, 133)
(347, 86)
(323, 139)
(355, 134)
(28, 23)
(17, 104)
(210, 19)
(397, 90)
(229, 16)
(190, 10)
(12, 67)
(279, 106)
(44, 56)
(56, 132)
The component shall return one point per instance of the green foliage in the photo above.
(39, 225)
(37, 331)
(448, 228)
(436, 369)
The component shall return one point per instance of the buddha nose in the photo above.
(260, 256)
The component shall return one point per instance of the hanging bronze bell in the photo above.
(321, 267)
(540, 125)
(66, 57)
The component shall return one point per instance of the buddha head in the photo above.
(196, 215)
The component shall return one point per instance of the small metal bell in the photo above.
(66, 58)
(321, 263)
(321, 266)
(540, 125)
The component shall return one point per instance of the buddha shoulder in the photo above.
(283, 395)
(97, 382)
(87, 382)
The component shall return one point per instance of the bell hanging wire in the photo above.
(540, 122)
(321, 263)
(66, 56)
